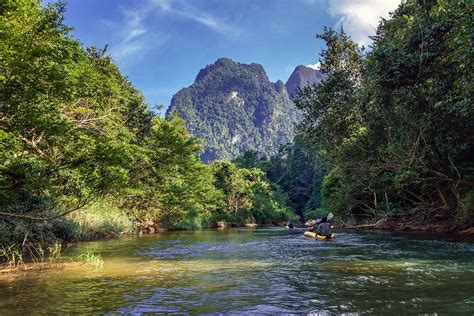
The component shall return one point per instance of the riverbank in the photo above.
(87, 226)
(94, 226)
(431, 221)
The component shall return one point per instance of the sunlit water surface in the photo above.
(255, 271)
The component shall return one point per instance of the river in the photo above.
(268, 270)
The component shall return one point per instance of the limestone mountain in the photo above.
(234, 107)
(301, 77)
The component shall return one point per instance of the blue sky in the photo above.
(160, 45)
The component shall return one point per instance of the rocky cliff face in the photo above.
(234, 107)
(301, 77)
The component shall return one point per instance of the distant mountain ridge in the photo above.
(303, 76)
(234, 107)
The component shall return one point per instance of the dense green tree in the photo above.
(171, 185)
(75, 134)
(61, 113)
(298, 170)
(248, 195)
(295, 170)
(396, 124)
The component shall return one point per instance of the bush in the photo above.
(102, 219)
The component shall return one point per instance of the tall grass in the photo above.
(39, 254)
(40, 242)
(100, 220)
(54, 252)
(11, 256)
(92, 258)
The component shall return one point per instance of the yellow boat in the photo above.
(314, 235)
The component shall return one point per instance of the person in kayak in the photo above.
(290, 225)
(324, 228)
(313, 224)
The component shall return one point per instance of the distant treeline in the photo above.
(82, 155)
(295, 170)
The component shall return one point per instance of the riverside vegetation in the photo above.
(82, 156)
(395, 124)
(387, 133)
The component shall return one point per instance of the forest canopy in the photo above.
(82, 154)
(395, 123)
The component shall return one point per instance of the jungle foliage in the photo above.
(297, 171)
(76, 135)
(395, 123)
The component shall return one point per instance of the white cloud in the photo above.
(137, 35)
(186, 10)
(361, 17)
(316, 66)
(134, 26)
(132, 41)
(124, 51)
(164, 4)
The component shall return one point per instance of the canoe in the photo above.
(314, 235)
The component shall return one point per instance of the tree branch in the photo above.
(36, 218)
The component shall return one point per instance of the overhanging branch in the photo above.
(36, 218)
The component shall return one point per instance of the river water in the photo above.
(254, 271)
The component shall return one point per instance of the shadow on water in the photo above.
(267, 270)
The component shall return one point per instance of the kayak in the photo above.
(314, 235)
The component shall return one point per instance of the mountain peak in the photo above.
(303, 76)
(234, 107)
(221, 62)
(224, 64)
(224, 61)
(301, 68)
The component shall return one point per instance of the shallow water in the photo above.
(255, 270)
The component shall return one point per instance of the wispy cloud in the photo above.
(137, 32)
(184, 9)
(132, 35)
(361, 17)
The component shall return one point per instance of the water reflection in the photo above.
(255, 271)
